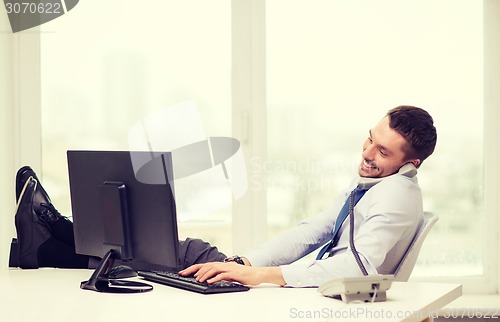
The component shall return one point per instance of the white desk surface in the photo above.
(54, 295)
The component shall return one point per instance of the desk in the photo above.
(54, 295)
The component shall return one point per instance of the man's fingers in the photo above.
(206, 272)
(210, 272)
(190, 270)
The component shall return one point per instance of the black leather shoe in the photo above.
(31, 232)
(41, 200)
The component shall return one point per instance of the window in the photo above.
(333, 70)
(105, 67)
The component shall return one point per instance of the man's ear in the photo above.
(416, 162)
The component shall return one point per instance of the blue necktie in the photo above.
(344, 212)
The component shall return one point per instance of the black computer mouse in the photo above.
(122, 271)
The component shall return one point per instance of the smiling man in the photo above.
(384, 199)
(386, 216)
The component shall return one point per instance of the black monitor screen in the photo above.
(124, 201)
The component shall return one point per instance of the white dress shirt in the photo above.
(385, 221)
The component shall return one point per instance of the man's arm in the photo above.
(233, 272)
(285, 248)
(295, 243)
(391, 211)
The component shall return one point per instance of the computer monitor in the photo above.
(122, 211)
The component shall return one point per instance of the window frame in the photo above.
(491, 224)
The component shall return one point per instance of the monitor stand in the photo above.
(117, 234)
(100, 282)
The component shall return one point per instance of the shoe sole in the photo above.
(25, 173)
(20, 173)
(23, 190)
(28, 236)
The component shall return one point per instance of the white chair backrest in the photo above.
(405, 267)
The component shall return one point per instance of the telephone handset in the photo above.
(408, 170)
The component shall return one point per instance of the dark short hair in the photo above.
(417, 127)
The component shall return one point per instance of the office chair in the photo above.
(405, 267)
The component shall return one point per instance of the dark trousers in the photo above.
(59, 250)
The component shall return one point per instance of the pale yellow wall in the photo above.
(7, 135)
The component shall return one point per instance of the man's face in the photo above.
(383, 152)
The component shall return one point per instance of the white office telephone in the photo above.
(370, 288)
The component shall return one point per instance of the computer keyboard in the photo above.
(190, 283)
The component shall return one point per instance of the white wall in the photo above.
(7, 129)
(19, 87)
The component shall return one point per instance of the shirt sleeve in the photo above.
(299, 241)
(315, 273)
(294, 243)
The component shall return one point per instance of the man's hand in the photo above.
(233, 272)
